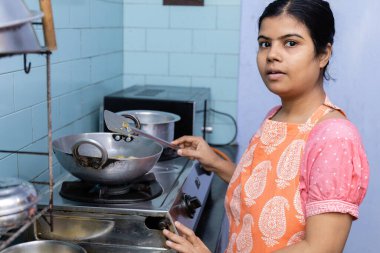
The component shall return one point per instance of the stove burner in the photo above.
(143, 189)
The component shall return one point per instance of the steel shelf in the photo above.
(9, 237)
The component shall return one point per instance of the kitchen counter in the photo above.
(211, 222)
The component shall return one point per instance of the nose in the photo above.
(274, 53)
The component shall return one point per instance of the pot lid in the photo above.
(16, 195)
(14, 12)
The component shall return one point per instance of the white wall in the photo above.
(355, 66)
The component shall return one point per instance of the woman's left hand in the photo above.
(187, 243)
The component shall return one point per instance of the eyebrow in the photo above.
(281, 37)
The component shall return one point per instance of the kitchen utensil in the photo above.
(16, 32)
(14, 13)
(18, 199)
(48, 25)
(75, 230)
(157, 123)
(18, 40)
(106, 158)
(119, 124)
(45, 246)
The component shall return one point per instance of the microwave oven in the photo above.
(190, 103)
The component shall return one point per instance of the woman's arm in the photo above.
(224, 169)
(197, 148)
(325, 233)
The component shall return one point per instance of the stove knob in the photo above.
(201, 170)
(191, 204)
(164, 224)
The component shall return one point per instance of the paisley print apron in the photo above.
(263, 200)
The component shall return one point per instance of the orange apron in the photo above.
(263, 200)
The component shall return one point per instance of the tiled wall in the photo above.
(186, 46)
(87, 65)
(164, 45)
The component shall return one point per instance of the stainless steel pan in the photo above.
(107, 158)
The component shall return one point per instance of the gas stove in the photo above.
(127, 218)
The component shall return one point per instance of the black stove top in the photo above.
(143, 189)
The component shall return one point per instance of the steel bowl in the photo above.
(68, 228)
(16, 31)
(18, 199)
(15, 12)
(45, 246)
(157, 123)
(106, 158)
(18, 40)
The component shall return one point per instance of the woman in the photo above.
(299, 184)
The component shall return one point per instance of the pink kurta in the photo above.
(290, 172)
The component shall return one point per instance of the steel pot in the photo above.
(157, 123)
(45, 246)
(18, 199)
(106, 158)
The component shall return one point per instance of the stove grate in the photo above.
(146, 188)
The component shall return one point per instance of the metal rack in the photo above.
(50, 45)
(14, 234)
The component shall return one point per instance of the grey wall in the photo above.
(355, 66)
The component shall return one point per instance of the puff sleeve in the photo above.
(334, 172)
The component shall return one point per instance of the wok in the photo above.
(106, 158)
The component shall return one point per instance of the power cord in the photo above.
(235, 125)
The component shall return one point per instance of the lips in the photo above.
(275, 74)
(274, 71)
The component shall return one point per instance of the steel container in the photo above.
(157, 123)
(18, 199)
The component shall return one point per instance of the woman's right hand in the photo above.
(194, 147)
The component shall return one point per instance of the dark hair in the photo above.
(316, 15)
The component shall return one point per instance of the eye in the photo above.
(291, 43)
(264, 44)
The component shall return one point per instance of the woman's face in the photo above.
(286, 57)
